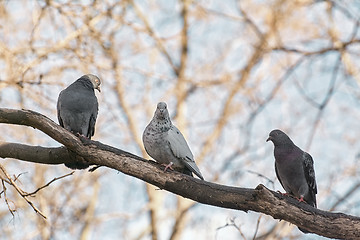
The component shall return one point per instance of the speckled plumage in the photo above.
(165, 143)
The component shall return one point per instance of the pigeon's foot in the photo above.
(168, 166)
(85, 140)
(301, 199)
(80, 135)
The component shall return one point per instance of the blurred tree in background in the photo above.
(230, 71)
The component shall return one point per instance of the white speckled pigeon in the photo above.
(165, 143)
(294, 168)
(77, 109)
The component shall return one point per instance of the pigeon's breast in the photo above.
(291, 173)
(157, 146)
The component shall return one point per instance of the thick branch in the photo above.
(35, 154)
(261, 199)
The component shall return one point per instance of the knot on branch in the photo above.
(266, 194)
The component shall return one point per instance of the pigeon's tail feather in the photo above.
(312, 201)
(77, 166)
(77, 162)
(187, 172)
(193, 168)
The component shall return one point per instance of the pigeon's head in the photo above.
(94, 80)
(278, 137)
(161, 111)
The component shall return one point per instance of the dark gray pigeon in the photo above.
(294, 168)
(165, 143)
(77, 109)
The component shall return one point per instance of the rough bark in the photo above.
(260, 199)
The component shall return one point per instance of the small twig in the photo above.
(232, 224)
(346, 195)
(21, 192)
(6, 199)
(257, 227)
(325, 101)
(263, 176)
(17, 177)
(46, 185)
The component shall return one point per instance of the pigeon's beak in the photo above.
(98, 88)
(269, 138)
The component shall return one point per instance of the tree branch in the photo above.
(21, 192)
(260, 199)
(35, 154)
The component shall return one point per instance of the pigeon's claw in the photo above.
(85, 140)
(168, 166)
(301, 199)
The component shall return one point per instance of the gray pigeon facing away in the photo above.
(294, 168)
(77, 109)
(165, 143)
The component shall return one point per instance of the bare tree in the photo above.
(230, 73)
(334, 225)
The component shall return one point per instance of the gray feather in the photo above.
(77, 108)
(310, 177)
(294, 168)
(165, 143)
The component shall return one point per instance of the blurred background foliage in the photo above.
(230, 71)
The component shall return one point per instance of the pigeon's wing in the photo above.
(181, 150)
(278, 176)
(178, 144)
(78, 109)
(58, 107)
(92, 122)
(93, 116)
(310, 174)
